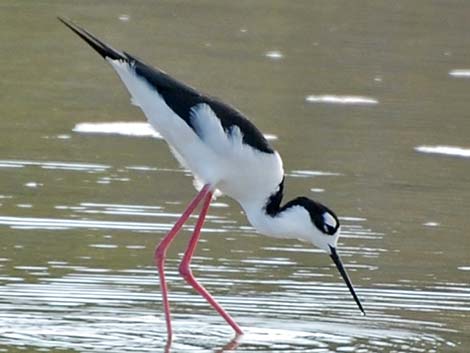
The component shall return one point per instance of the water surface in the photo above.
(368, 106)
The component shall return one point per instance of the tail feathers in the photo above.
(102, 48)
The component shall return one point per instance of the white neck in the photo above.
(293, 223)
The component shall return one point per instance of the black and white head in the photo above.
(324, 220)
(319, 225)
(312, 222)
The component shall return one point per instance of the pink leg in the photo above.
(160, 253)
(187, 274)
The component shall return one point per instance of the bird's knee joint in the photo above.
(160, 256)
(185, 271)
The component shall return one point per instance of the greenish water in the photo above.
(360, 99)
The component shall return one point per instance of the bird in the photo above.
(226, 154)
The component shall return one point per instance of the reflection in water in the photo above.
(88, 167)
(274, 54)
(460, 73)
(94, 308)
(310, 173)
(124, 17)
(96, 311)
(334, 99)
(136, 129)
(445, 150)
(56, 223)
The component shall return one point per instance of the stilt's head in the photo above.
(317, 224)
(311, 221)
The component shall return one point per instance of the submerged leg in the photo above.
(161, 249)
(187, 274)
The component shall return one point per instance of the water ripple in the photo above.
(282, 300)
(62, 224)
(89, 167)
(120, 311)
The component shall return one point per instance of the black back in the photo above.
(177, 95)
(181, 98)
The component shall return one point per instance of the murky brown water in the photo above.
(368, 104)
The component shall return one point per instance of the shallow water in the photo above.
(368, 107)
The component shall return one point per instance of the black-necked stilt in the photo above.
(225, 152)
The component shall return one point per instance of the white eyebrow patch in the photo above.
(329, 220)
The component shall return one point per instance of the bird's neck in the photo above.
(269, 218)
(272, 205)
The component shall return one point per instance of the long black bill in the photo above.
(339, 264)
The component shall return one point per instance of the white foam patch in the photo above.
(460, 73)
(334, 99)
(133, 129)
(445, 150)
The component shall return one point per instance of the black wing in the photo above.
(177, 95)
